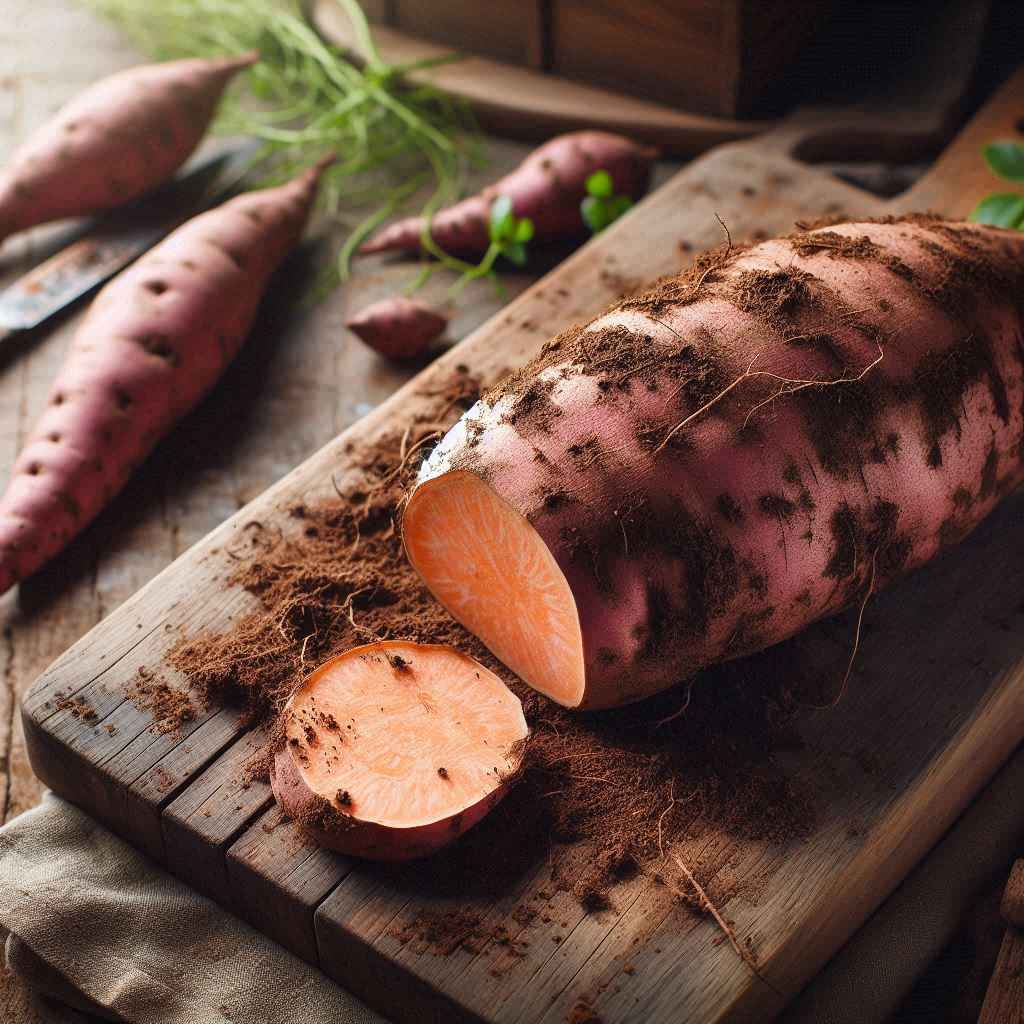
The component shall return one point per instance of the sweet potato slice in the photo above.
(394, 749)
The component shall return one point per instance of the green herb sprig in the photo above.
(509, 236)
(1003, 209)
(601, 206)
(397, 141)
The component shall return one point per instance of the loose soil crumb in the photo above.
(583, 1013)
(77, 706)
(171, 708)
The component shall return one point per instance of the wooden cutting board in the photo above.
(935, 706)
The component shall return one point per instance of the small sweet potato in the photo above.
(398, 327)
(547, 187)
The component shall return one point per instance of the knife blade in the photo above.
(111, 243)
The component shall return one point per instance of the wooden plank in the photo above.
(1012, 906)
(1004, 1001)
(200, 824)
(507, 32)
(274, 867)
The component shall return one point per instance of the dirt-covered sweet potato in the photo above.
(711, 466)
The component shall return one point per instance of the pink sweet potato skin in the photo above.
(398, 327)
(155, 340)
(755, 519)
(547, 187)
(123, 136)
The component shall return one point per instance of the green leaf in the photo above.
(502, 219)
(595, 214)
(524, 230)
(600, 184)
(618, 206)
(1006, 159)
(515, 252)
(1002, 210)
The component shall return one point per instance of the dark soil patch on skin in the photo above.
(834, 245)
(941, 380)
(671, 293)
(860, 539)
(772, 296)
(729, 509)
(776, 506)
(846, 531)
(533, 406)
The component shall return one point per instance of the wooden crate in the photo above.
(507, 30)
(724, 57)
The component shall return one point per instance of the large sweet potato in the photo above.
(711, 466)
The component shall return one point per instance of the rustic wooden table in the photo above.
(301, 380)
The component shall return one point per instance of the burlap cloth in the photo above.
(97, 931)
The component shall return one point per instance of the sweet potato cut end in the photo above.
(409, 745)
(493, 571)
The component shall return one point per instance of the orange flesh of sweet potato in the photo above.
(394, 749)
(706, 469)
(499, 579)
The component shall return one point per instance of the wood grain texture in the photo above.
(1012, 906)
(931, 714)
(1004, 1000)
(725, 59)
(507, 31)
(273, 867)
